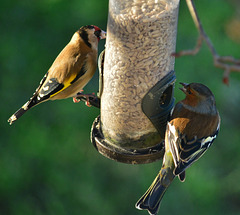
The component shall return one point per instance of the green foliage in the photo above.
(48, 165)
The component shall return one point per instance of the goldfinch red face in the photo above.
(100, 34)
(91, 35)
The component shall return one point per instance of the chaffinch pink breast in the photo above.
(193, 126)
(70, 72)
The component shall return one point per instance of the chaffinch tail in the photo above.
(193, 126)
(70, 72)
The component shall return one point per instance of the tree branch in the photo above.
(228, 63)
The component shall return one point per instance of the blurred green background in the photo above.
(47, 163)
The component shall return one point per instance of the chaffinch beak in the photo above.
(184, 88)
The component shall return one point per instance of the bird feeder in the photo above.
(137, 80)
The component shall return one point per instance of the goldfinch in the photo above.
(193, 127)
(70, 72)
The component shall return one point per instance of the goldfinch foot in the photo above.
(89, 99)
(75, 100)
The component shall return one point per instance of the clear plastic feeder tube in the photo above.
(141, 36)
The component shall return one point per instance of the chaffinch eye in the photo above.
(189, 91)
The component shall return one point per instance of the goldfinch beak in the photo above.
(103, 35)
(184, 88)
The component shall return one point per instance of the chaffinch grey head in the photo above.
(193, 126)
(70, 72)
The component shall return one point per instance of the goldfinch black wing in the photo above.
(52, 86)
(30, 103)
(47, 88)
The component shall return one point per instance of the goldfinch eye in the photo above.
(97, 33)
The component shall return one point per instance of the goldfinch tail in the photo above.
(152, 198)
(31, 103)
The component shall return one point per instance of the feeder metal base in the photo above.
(134, 156)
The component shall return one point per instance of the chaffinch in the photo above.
(70, 72)
(193, 126)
